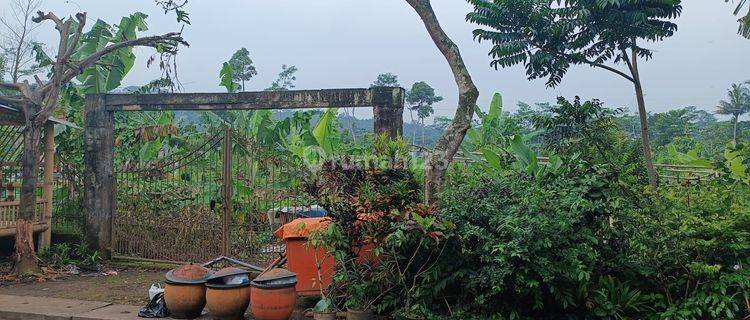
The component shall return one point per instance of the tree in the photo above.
(421, 97)
(17, 37)
(242, 67)
(549, 36)
(79, 55)
(386, 80)
(665, 126)
(285, 80)
(447, 145)
(737, 104)
(744, 21)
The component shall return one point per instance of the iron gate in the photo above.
(223, 196)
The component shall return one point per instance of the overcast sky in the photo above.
(347, 43)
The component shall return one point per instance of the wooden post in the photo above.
(226, 192)
(49, 170)
(99, 178)
(388, 111)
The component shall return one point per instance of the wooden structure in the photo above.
(11, 145)
(99, 174)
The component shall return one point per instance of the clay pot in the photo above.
(272, 304)
(273, 295)
(227, 302)
(360, 315)
(184, 301)
(324, 315)
(184, 291)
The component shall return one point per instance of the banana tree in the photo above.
(79, 55)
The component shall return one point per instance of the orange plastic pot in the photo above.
(227, 302)
(272, 303)
(184, 301)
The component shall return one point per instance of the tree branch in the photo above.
(593, 64)
(608, 68)
(81, 17)
(40, 16)
(12, 101)
(9, 86)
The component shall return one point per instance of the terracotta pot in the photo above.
(360, 315)
(324, 315)
(227, 302)
(272, 303)
(184, 301)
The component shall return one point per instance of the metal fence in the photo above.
(223, 196)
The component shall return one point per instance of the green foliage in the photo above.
(421, 97)
(737, 104)
(534, 241)
(109, 73)
(285, 80)
(549, 36)
(242, 66)
(63, 254)
(744, 21)
(226, 78)
(368, 202)
(326, 132)
(386, 80)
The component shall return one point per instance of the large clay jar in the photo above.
(227, 300)
(185, 292)
(273, 296)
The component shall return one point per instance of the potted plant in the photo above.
(324, 309)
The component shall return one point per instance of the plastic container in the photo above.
(302, 258)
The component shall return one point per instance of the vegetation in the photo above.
(243, 67)
(420, 98)
(737, 104)
(547, 212)
(550, 36)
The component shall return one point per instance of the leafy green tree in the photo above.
(420, 98)
(285, 80)
(243, 67)
(550, 36)
(737, 104)
(666, 126)
(386, 80)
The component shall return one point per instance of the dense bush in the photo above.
(570, 247)
(531, 249)
(584, 237)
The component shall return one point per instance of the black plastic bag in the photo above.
(156, 308)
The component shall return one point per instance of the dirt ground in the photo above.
(129, 286)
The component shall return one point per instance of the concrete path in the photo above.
(38, 308)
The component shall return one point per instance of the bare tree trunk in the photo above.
(643, 116)
(423, 136)
(25, 261)
(413, 130)
(447, 145)
(351, 126)
(734, 131)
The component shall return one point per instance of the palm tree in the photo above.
(737, 105)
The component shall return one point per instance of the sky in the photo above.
(347, 43)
